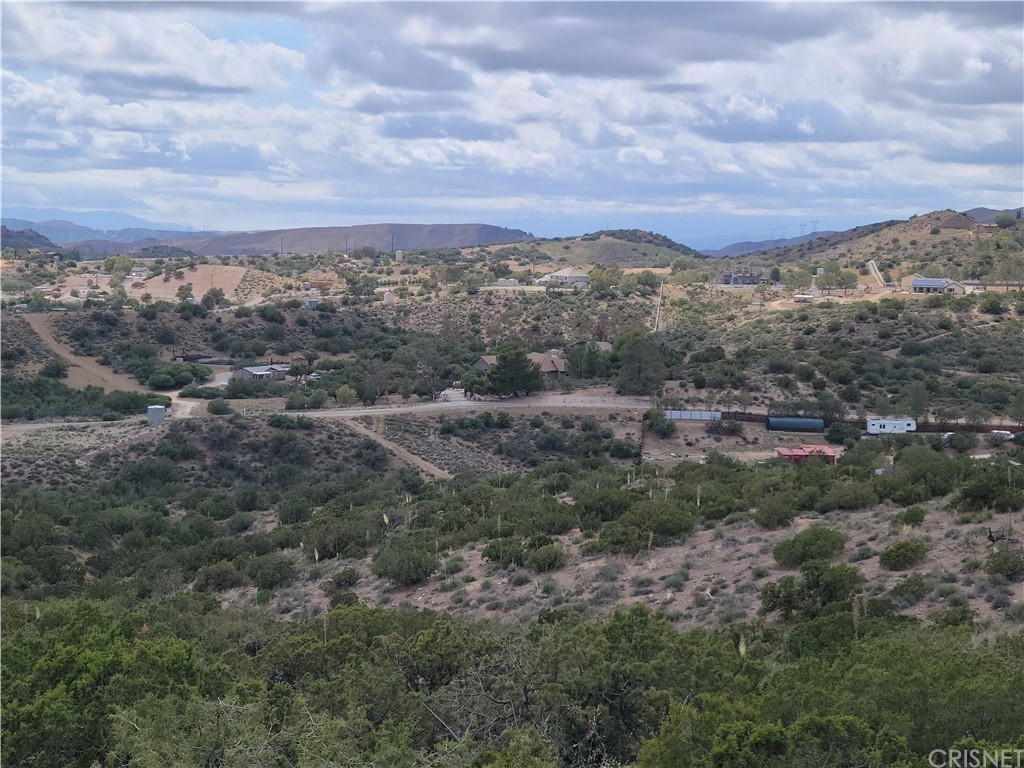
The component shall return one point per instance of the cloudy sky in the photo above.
(701, 121)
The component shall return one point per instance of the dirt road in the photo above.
(82, 371)
(579, 401)
(405, 455)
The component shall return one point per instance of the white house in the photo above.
(570, 277)
(891, 426)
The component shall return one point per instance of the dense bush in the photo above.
(42, 397)
(912, 516)
(1006, 562)
(903, 555)
(218, 407)
(659, 424)
(814, 543)
(404, 562)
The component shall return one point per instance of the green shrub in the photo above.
(839, 432)
(1015, 613)
(546, 558)
(346, 577)
(913, 516)
(54, 368)
(505, 552)
(815, 543)
(404, 562)
(218, 407)
(903, 555)
(623, 449)
(1006, 562)
(218, 577)
(658, 424)
(775, 511)
(909, 591)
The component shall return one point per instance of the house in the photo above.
(918, 284)
(891, 426)
(570, 277)
(299, 360)
(274, 371)
(804, 452)
(551, 363)
(742, 276)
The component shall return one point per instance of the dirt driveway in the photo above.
(82, 371)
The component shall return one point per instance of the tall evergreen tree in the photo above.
(514, 373)
(641, 366)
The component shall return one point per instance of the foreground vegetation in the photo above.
(119, 650)
(239, 590)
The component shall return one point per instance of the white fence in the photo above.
(694, 415)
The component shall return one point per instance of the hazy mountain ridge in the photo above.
(342, 239)
(90, 241)
(98, 220)
(66, 232)
(23, 238)
(749, 246)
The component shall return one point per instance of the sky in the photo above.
(706, 122)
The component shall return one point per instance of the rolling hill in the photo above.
(318, 239)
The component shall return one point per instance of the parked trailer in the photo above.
(793, 424)
(891, 426)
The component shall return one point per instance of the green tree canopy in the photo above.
(514, 373)
(641, 365)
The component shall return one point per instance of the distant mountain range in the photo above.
(138, 234)
(383, 237)
(101, 220)
(749, 246)
(60, 231)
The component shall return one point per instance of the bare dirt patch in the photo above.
(202, 277)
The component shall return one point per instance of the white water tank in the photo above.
(155, 414)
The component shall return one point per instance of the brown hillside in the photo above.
(380, 236)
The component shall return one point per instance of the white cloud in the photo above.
(727, 107)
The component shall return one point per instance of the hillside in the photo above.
(380, 236)
(938, 244)
(23, 239)
(548, 581)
